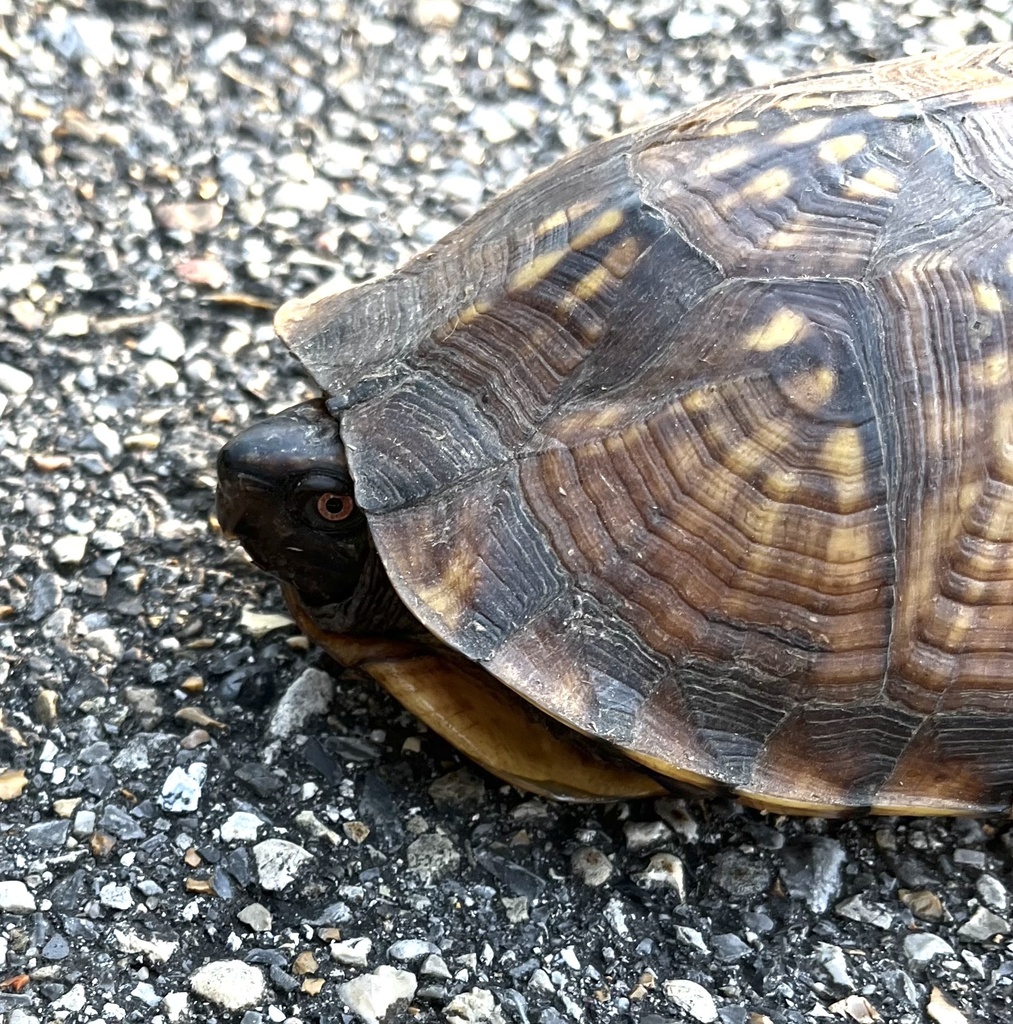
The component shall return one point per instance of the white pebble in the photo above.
(278, 862)
(160, 373)
(475, 1007)
(240, 827)
(72, 1001)
(352, 952)
(230, 984)
(306, 197)
(69, 549)
(181, 791)
(14, 381)
(108, 439)
(155, 951)
(175, 1006)
(436, 14)
(164, 341)
(106, 642)
(69, 325)
(664, 870)
(380, 995)
(15, 898)
(116, 897)
(693, 999)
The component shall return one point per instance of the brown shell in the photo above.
(702, 440)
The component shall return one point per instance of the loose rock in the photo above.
(230, 984)
(692, 999)
(15, 898)
(279, 862)
(379, 996)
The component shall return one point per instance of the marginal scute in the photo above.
(702, 441)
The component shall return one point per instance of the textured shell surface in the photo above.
(702, 440)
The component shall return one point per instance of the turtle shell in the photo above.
(702, 440)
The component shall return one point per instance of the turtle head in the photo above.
(284, 491)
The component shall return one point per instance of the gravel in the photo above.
(179, 840)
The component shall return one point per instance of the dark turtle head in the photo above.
(284, 491)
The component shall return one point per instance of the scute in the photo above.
(702, 441)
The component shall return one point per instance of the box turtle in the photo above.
(688, 459)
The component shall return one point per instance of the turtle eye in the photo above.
(334, 507)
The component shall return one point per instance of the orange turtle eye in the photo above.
(335, 507)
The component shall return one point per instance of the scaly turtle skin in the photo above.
(699, 442)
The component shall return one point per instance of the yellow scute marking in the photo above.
(620, 258)
(784, 327)
(835, 151)
(697, 401)
(601, 227)
(843, 453)
(591, 283)
(451, 594)
(812, 389)
(806, 131)
(472, 312)
(553, 221)
(578, 426)
(720, 163)
(987, 297)
(745, 458)
(893, 111)
(805, 101)
(846, 544)
(537, 270)
(995, 370)
(781, 484)
(880, 177)
(769, 185)
(733, 127)
(862, 188)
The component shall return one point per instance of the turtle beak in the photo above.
(242, 480)
(259, 473)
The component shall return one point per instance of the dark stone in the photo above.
(517, 878)
(261, 780)
(45, 597)
(740, 875)
(48, 835)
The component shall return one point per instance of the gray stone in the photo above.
(310, 695)
(48, 835)
(411, 949)
(256, 917)
(811, 871)
(432, 856)
(921, 947)
(740, 875)
(854, 908)
(591, 866)
(982, 925)
(993, 893)
(460, 790)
